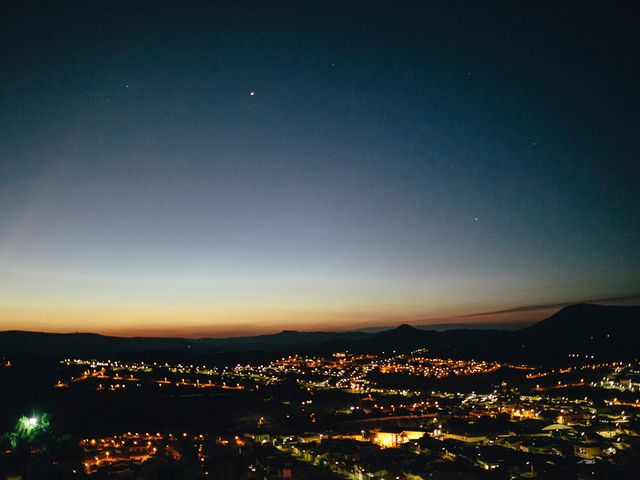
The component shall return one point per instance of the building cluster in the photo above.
(120, 454)
(342, 371)
(576, 421)
(436, 367)
(504, 433)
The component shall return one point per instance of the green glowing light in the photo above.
(27, 424)
(28, 430)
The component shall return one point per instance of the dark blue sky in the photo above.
(395, 162)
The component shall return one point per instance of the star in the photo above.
(252, 93)
(475, 219)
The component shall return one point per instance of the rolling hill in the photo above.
(601, 331)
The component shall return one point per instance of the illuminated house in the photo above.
(587, 449)
(393, 439)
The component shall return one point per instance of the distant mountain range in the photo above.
(286, 337)
(602, 331)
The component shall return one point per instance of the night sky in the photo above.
(192, 168)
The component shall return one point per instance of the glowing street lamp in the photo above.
(28, 424)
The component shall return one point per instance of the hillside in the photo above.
(603, 331)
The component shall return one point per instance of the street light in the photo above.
(531, 463)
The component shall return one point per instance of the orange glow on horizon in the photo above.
(227, 322)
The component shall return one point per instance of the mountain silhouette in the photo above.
(602, 331)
